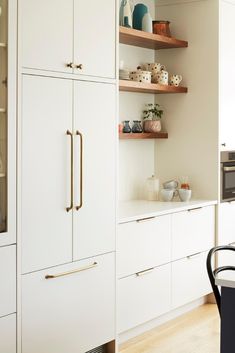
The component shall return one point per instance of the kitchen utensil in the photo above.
(171, 184)
(126, 11)
(147, 23)
(175, 80)
(139, 11)
(141, 76)
(185, 194)
(162, 28)
(152, 189)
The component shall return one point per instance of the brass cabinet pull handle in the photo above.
(71, 173)
(79, 66)
(194, 209)
(145, 272)
(78, 133)
(85, 268)
(145, 219)
(193, 256)
(71, 65)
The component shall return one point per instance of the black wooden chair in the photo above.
(212, 273)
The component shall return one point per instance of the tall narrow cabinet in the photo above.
(67, 193)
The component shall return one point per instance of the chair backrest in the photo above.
(212, 273)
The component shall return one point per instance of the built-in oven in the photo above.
(227, 176)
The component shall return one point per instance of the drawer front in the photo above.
(73, 313)
(226, 233)
(189, 279)
(226, 258)
(143, 244)
(193, 231)
(144, 297)
(7, 280)
(8, 334)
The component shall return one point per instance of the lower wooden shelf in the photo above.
(133, 86)
(143, 135)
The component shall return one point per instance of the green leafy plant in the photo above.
(152, 112)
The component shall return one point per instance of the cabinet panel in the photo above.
(144, 297)
(8, 334)
(189, 279)
(193, 231)
(226, 233)
(94, 118)
(94, 37)
(7, 280)
(47, 34)
(73, 313)
(46, 226)
(143, 244)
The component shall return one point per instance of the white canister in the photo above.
(147, 23)
(152, 189)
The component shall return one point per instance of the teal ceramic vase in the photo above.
(139, 11)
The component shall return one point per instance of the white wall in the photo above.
(191, 119)
(136, 158)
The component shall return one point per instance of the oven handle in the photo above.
(229, 169)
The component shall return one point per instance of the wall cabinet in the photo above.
(84, 45)
(50, 158)
(71, 312)
(8, 334)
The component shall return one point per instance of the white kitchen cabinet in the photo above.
(189, 279)
(46, 226)
(8, 280)
(226, 231)
(193, 231)
(50, 234)
(94, 37)
(94, 118)
(72, 313)
(143, 296)
(143, 244)
(8, 334)
(81, 33)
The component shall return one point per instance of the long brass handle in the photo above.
(193, 256)
(71, 173)
(85, 268)
(78, 133)
(194, 209)
(145, 272)
(145, 219)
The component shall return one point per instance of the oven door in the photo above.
(228, 181)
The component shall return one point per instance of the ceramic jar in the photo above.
(161, 78)
(147, 25)
(175, 80)
(139, 11)
(152, 189)
(126, 127)
(137, 128)
(152, 126)
(162, 28)
(141, 76)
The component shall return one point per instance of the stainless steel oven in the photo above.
(227, 176)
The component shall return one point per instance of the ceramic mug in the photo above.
(153, 67)
(167, 195)
(185, 194)
(171, 184)
(161, 78)
(175, 80)
(141, 76)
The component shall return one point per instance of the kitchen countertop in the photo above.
(226, 279)
(138, 209)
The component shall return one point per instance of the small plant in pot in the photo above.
(152, 118)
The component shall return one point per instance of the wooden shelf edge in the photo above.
(133, 86)
(143, 39)
(143, 136)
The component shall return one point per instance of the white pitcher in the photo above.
(126, 10)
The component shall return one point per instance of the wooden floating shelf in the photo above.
(143, 135)
(133, 86)
(3, 45)
(149, 40)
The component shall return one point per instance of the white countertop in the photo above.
(138, 209)
(226, 279)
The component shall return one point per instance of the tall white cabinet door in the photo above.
(45, 194)
(8, 334)
(94, 37)
(94, 118)
(47, 34)
(72, 313)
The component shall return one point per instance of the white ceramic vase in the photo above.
(147, 23)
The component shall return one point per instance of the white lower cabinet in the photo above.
(143, 296)
(189, 279)
(226, 231)
(71, 311)
(8, 334)
(7, 280)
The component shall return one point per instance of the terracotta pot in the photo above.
(162, 28)
(152, 126)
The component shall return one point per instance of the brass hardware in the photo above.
(81, 170)
(71, 65)
(145, 219)
(194, 209)
(193, 256)
(71, 175)
(79, 66)
(71, 272)
(229, 169)
(142, 273)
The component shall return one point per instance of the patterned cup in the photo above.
(175, 80)
(161, 78)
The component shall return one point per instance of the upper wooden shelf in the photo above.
(133, 86)
(143, 135)
(149, 40)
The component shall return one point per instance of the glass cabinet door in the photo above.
(7, 121)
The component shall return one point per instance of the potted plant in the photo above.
(152, 118)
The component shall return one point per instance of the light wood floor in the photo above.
(195, 332)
